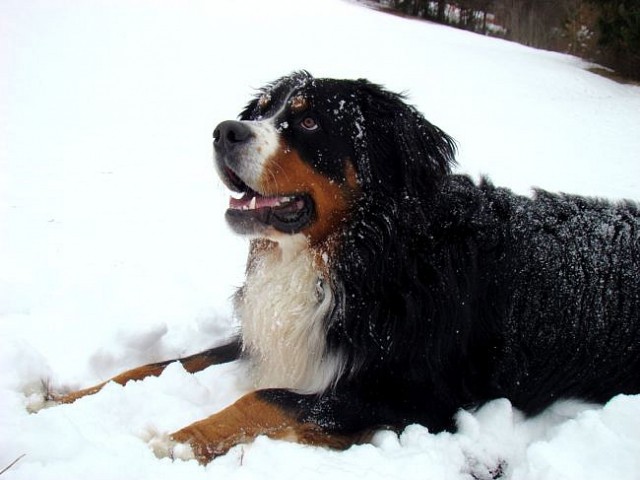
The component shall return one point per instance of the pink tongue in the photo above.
(260, 201)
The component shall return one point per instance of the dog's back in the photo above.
(559, 282)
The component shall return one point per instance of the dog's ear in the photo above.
(402, 146)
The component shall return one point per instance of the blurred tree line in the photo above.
(605, 31)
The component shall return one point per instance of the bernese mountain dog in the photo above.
(382, 290)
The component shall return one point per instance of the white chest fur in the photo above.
(282, 308)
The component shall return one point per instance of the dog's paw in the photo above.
(163, 446)
(39, 396)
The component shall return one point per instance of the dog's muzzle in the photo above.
(242, 152)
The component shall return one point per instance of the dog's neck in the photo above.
(282, 308)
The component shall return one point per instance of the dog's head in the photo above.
(306, 150)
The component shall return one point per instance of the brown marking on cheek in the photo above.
(325, 250)
(244, 421)
(287, 173)
(351, 175)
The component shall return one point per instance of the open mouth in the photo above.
(286, 213)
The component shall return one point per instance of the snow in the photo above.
(114, 253)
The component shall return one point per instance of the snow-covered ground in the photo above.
(113, 251)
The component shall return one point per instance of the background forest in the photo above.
(604, 31)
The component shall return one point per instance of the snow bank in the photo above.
(113, 251)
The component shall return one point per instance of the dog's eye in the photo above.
(309, 123)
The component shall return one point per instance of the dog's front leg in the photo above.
(278, 414)
(194, 363)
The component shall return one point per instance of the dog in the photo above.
(383, 290)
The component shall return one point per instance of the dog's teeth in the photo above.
(252, 203)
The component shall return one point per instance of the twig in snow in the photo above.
(12, 464)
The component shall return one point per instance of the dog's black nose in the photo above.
(231, 133)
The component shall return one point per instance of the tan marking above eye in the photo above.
(299, 103)
(264, 100)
